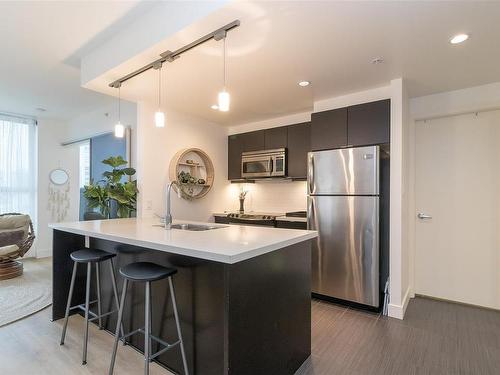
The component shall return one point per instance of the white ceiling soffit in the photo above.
(41, 45)
(331, 44)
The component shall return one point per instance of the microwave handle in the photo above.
(271, 165)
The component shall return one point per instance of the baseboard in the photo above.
(398, 311)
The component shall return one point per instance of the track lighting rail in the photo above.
(169, 56)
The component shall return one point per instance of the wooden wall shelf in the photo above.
(201, 168)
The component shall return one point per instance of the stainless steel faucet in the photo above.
(168, 214)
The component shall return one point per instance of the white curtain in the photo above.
(18, 165)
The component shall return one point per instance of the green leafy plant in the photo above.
(111, 188)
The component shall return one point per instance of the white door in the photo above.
(457, 253)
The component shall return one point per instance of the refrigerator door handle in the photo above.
(310, 172)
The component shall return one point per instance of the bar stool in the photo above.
(148, 272)
(90, 256)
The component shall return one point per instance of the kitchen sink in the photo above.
(193, 227)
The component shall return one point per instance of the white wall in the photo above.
(157, 146)
(52, 155)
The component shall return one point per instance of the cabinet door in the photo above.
(235, 148)
(369, 123)
(275, 138)
(329, 129)
(299, 144)
(253, 141)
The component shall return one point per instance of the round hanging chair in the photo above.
(16, 238)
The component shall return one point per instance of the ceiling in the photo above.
(42, 43)
(331, 44)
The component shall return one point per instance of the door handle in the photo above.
(423, 216)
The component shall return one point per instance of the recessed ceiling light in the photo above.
(215, 106)
(304, 83)
(377, 60)
(459, 38)
(40, 109)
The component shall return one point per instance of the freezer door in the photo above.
(345, 171)
(345, 256)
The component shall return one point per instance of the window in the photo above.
(84, 164)
(18, 165)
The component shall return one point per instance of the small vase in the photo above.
(242, 204)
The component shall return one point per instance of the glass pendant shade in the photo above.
(119, 130)
(159, 119)
(224, 101)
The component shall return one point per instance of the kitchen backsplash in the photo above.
(273, 196)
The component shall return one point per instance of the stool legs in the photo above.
(87, 307)
(98, 282)
(118, 322)
(68, 304)
(147, 328)
(177, 323)
(115, 293)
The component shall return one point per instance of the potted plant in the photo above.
(110, 194)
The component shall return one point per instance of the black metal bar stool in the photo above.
(148, 272)
(90, 256)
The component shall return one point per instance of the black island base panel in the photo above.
(247, 318)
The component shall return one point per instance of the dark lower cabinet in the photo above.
(291, 224)
(369, 123)
(299, 144)
(329, 129)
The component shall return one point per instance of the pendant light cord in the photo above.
(224, 59)
(119, 103)
(159, 88)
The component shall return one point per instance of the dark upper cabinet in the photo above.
(299, 144)
(275, 138)
(369, 123)
(235, 148)
(253, 141)
(329, 129)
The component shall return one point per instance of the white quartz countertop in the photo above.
(226, 244)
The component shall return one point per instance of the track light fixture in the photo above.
(119, 128)
(159, 115)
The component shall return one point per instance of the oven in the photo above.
(267, 163)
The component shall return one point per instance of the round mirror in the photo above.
(59, 176)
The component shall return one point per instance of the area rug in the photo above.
(28, 293)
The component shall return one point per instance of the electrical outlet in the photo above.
(149, 205)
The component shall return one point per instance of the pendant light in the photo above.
(119, 128)
(159, 115)
(223, 98)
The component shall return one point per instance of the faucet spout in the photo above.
(168, 213)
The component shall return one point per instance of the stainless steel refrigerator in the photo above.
(343, 205)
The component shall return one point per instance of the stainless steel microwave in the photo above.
(266, 163)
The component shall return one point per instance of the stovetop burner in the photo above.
(251, 216)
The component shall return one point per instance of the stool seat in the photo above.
(146, 271)
(90, 255)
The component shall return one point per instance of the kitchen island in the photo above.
(243, 292)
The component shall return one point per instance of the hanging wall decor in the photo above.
(58, 201)
(193, 170)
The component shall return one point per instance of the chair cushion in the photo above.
(90, 255)
(8, 250)
(14, 221)
(11, 237)
(146, 271)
